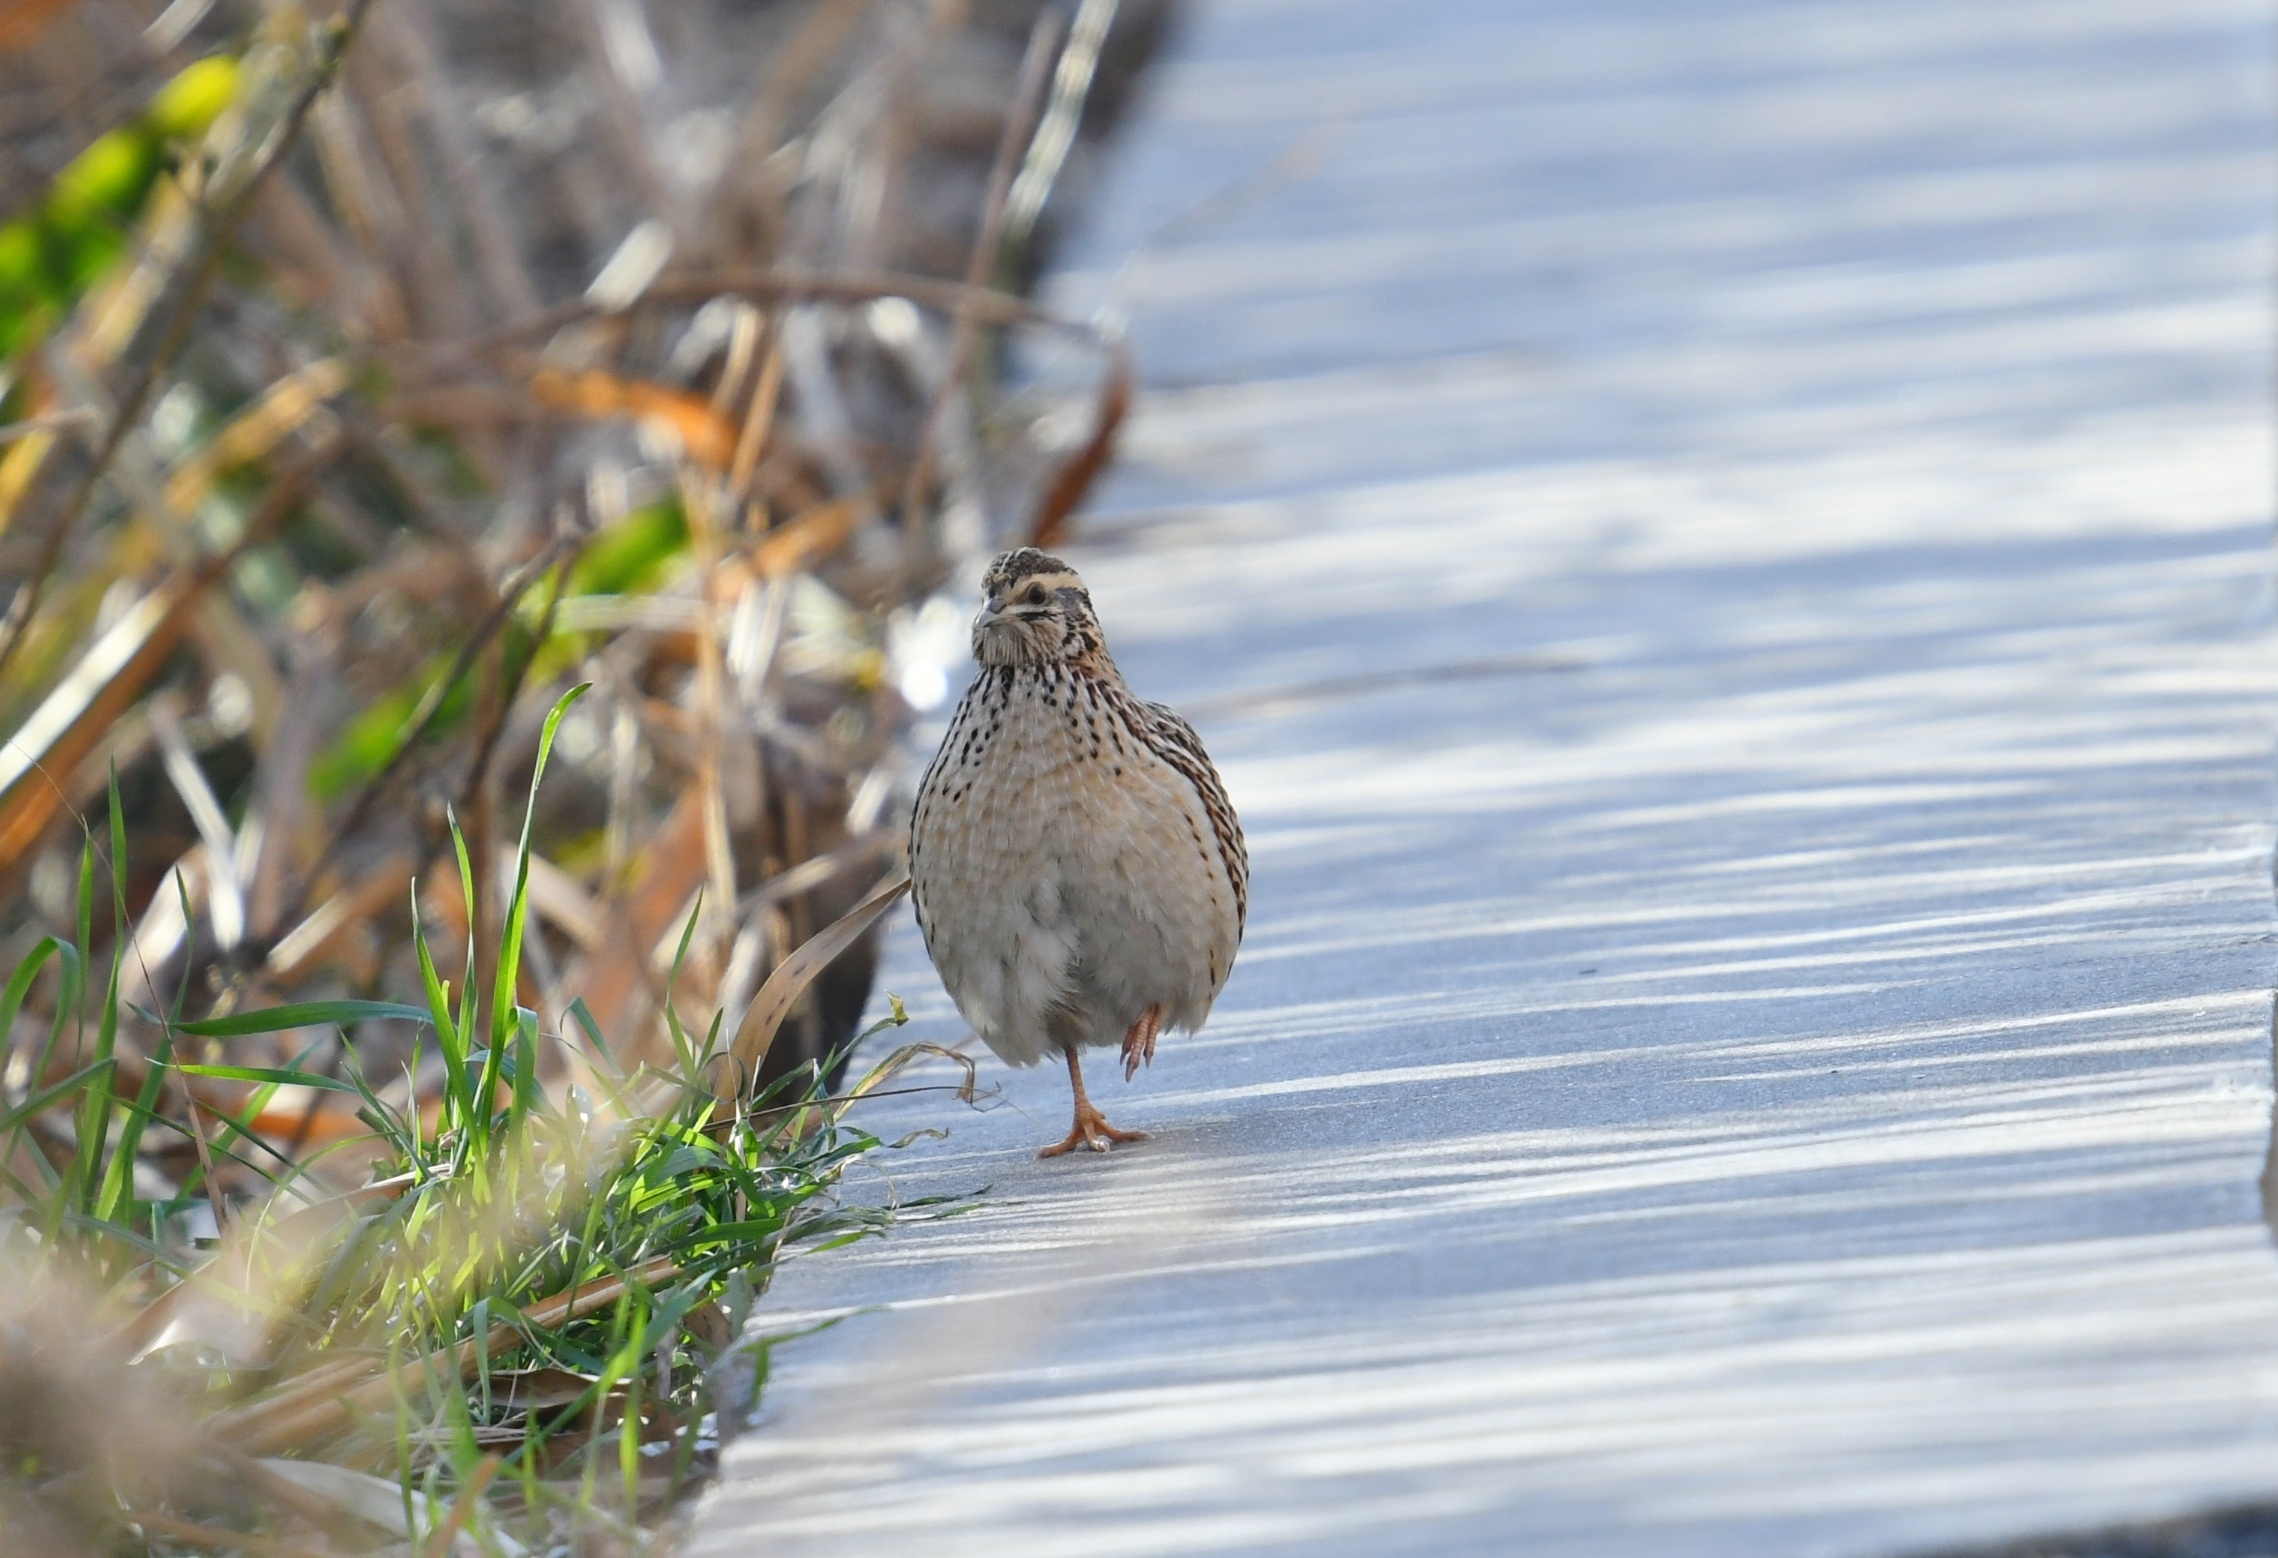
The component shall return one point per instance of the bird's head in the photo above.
(1034, 610)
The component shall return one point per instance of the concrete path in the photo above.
(1724, 552)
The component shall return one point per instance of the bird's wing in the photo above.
(1175, 741)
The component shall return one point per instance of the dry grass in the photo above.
(368, 377)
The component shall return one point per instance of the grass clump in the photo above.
(519, 1334)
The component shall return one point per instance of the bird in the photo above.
(1079, 874)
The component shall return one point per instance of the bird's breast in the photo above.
(1035, 768)
(1047, 822)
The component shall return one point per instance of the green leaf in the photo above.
(467, 1004)
(374, 737)
(630, 554)
(526, 1095)
(439, 1009)
(278, 1074)
(20, 985)
(304, 1014)
(518, 907)
(194, 99)
(48, 1095)
(86, 1176)
(582, 1015)
(118, 1182)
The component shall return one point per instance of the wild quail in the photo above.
(1077, 869)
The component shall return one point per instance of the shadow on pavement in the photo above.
(2246, 1531)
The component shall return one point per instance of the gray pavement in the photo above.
(1724, 553)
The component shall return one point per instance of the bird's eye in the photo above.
(1036, 595)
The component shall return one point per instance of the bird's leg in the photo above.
(1139, 1043)
(1091, 1128)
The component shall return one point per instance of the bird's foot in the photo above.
(1090, 1130)
(1139, 1041)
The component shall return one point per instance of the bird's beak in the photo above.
(989, 616)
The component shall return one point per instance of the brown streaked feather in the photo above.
(1167, 733)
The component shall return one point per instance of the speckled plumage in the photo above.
(1074, 858)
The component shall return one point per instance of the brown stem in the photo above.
(440, 1541)
(1020, 123)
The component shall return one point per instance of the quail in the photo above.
(1077, 869)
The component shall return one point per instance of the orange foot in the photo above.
(1090, 1130)
(1139, 1043)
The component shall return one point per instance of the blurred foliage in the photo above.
(370, 375)
(49, 258)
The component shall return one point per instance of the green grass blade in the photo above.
(278, 1074)
(525, 1063)
(455, 1098)
(117, 1198)
(49, 1094)
(119, 1233)
(68, 984)
(20, 982)
(582, 1015)
(239, 1126)
(398, 1128)
(467, 1004)
(518, 907)
(87, 1174)
(304, 1014)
